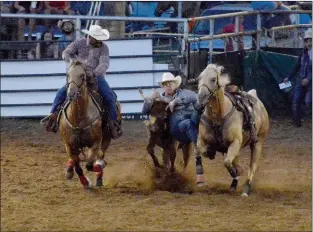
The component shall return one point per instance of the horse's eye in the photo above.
(82, 76)
(213, 79)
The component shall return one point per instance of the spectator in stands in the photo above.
(230, 28)
(31, 54)
(57, 7)
(47, 49)
(266, 5)
(67, 27)
(27, 7)
(6, 7)
(81, 7)
(279, 19)
(129, 11)
(303, 86)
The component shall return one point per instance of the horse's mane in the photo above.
(223, 79)
(75, 63)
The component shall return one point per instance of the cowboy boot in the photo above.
(50, 122)
(115, 129)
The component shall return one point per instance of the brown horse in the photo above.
(221, 126)
(81, 126)
(161, 136)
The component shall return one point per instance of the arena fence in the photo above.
(137, 61)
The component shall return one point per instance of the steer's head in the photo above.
(158, 113)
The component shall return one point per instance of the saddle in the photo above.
(99, 102)
(243, 103)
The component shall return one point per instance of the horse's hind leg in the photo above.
(255, 157)
(186, 154)
(106, 141)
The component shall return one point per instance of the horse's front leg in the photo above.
(200, 149)
(230, 159)
(93, 154)
(73, 163)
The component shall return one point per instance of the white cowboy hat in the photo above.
(60, 22)
(308, 34)
(97, 32)
(167, 77)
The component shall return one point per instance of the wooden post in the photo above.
(118, 27)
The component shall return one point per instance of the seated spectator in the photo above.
(54, 7)
(31, 54)
(279, 19)
(266, 5)
(81, 7)
(47, 49)
(6, 7)
(27, 7)
(67, 27)
(230, 28)
(129, 11)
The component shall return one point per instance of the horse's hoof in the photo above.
(201, 180)
(89, 184)
(246, 190)
(244, 195)
(99, 183)
(201, 184)
(233, 185)
(69, 173)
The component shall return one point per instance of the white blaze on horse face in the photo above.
(75, 79)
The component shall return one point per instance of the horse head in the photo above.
(76, 79)
(210, 81)
(158, 112)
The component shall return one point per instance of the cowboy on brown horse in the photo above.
(93, 54)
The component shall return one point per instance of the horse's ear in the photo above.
(224, 80)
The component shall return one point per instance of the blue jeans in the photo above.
(183, 128)
(301, 92)
(105, 91)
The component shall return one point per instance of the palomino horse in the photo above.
(221, 126)
(81, 127)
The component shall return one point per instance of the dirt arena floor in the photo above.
(36, 196)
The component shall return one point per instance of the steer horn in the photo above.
(141, 94)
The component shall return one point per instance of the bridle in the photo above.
(83, 83)
(213, 93)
